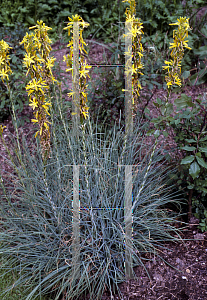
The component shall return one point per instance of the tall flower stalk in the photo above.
(39, 65)
(83, 72)
(137, 48)
(83, 66)
(173, 66)
(134, 54)
(137, 54)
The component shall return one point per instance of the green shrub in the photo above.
(13, 37)
(189, 127)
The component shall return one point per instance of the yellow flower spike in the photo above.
(38, 47)
(4, 61)
(177, 52)
(137, 48)
(69, 62)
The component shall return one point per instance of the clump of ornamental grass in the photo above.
(36, 215)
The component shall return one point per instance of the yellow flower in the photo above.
(46, 107)
(28, 60)
(3, 73)
(182, 22)
(178, 45)
(34, 103)
(132, 70)
(1, 129)
(50, 62)
(35, 121)
(35, 85)
(178, 81)
(46, 126)
(186, 45)
(84, 94)
(4, 46)
(37, 131)
(84, 71)
(1, 60)
(70, 94)
(85, 114)
(40, 26)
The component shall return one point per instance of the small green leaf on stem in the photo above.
(203, 149)
(187, 160)
(194, 170)
(201, 162)
(188, 148)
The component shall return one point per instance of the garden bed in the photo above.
(166, 283)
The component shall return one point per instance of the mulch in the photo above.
(188, 282)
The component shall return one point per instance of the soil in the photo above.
(185, 279)
(190, 280)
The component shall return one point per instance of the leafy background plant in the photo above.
(17, 79)
(103, 18)
(190, 135)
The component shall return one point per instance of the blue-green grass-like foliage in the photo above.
(36, 214)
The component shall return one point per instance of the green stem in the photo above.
(84, 153)
(86, 177)
(166, 103)
(48, 194)
(45, 180)
(64, 124)
(15, 119)
(55, 142)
